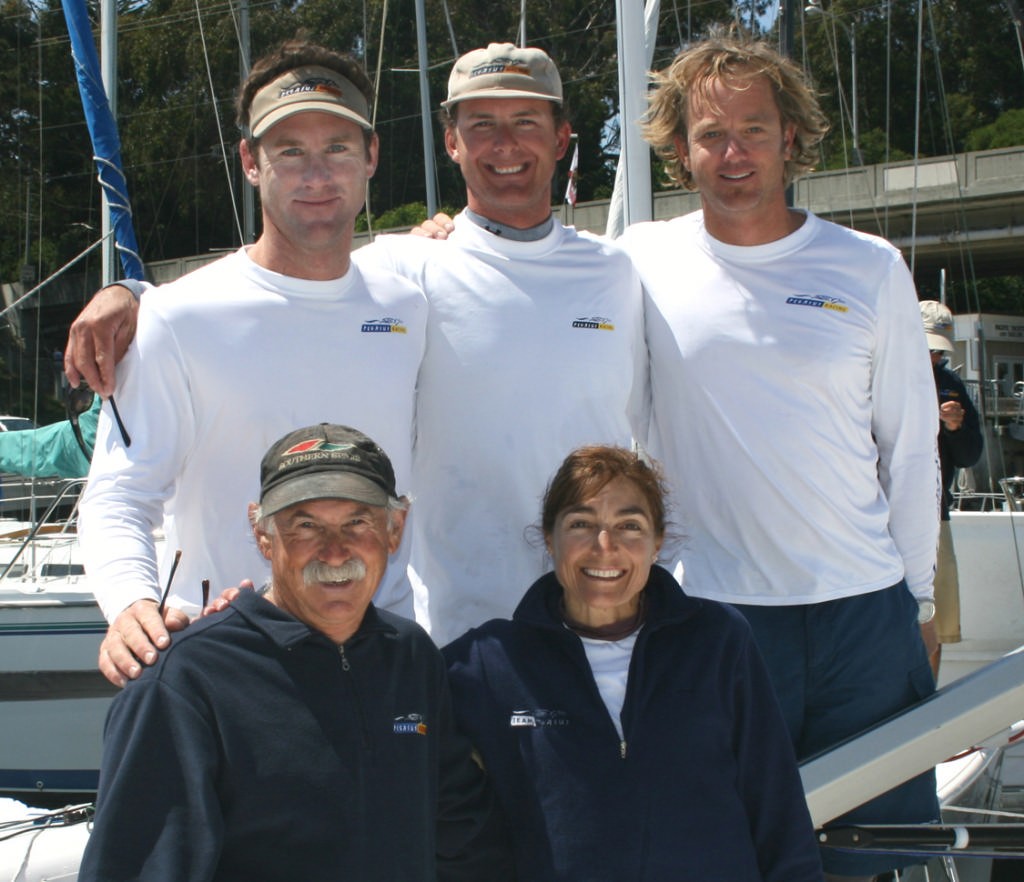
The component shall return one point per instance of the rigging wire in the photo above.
(376, 95)
(964, 251)
(917, 134)
(39, 231)
(54, 275)
(220, 131)
(1013, 7)
(451, 29)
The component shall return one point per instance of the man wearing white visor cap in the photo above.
(281, 333)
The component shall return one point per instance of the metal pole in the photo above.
(815, 7)
(787, 11)
(852, 30)
(108, 76)
(428, 129)
(248, 192)
(635, 154)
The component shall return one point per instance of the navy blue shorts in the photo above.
(838, 668)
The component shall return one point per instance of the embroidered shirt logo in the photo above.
(410, 724)
(538, 719)
(595, 323)
(819, 301)
(384, 326)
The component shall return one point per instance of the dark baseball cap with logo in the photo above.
(325, 462)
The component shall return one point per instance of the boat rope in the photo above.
(220, 130)
(117, 198)
(59, 272)
(990, 813)
(451, 29)
(917, 134)
(376, 95)
(1013, 7)
(64, 817)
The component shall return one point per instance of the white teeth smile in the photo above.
(737, 177)
(509, 170)
(603, 574)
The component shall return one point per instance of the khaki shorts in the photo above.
(947, 589)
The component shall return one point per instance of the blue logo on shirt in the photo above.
(819, 301)
(410, 724)
(384, 326)
(594, 323)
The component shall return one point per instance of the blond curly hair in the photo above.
(725, 56)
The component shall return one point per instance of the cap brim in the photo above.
(937, 341)
(323, 486)
(289, 110)
(499, 93)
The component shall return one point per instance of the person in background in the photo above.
(630, 730)
(302, 733)
(277, 334)
(793, 410)
(960, 446)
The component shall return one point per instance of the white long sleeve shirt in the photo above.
(793, 409)
(227, 360)
(533, 349)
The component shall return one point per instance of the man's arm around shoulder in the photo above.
(99, 338)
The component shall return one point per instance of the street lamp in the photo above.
(814, 7)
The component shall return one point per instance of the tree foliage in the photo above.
(179, 66)
(967, 54)
(178, 69)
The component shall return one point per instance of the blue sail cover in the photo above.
(106, 144)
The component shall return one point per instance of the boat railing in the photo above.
(967, 712)
(1013, 492)
(59, 520)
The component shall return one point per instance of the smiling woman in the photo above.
(630, 730)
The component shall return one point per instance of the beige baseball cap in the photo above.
(938, 325)
(307, 88)
(504, 70)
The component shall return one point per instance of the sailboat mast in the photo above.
(244, 57)
(634, 155)
(108, 76)
(428, 128)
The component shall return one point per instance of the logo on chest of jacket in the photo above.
(538, 719)
(410, 724)
(384, 326)
(818, 301)
(594, 323)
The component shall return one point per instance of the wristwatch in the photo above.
(925, 611)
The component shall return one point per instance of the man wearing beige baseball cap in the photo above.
(535, 339)
(534, 342)
(230, 356)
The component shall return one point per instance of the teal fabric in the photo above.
(50, 451)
